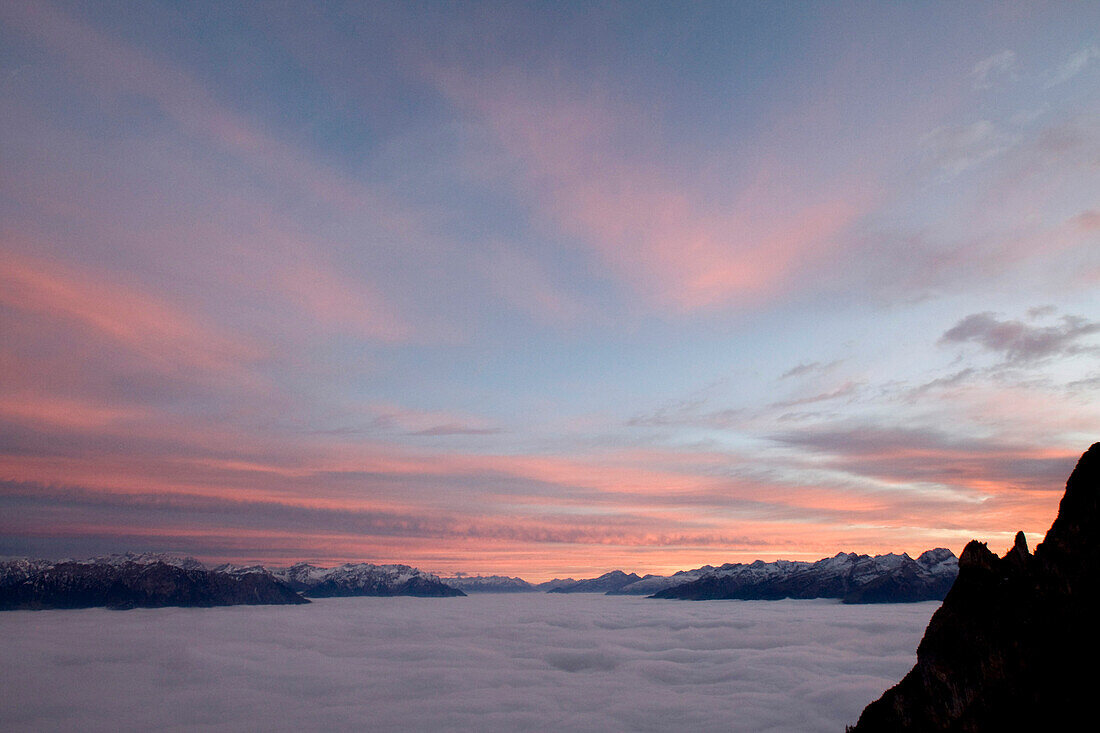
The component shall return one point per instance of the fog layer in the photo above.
(525, 662)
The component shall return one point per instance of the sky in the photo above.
(491, 662)
(544, 289)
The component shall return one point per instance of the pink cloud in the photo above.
(278, 255)
(48, 411)
(122, 314)
(522, 282)
(656, 510)
(668, 238)
(342, 303)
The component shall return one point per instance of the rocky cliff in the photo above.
(1013, 646)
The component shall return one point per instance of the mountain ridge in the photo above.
(154, 580)
(363, 579)
(133, 581)
(853, 578)
(1013, 644)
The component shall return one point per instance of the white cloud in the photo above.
(988, 70)
(954, 149)
(487, 663)
(1075, 64)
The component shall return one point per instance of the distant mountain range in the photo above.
(363, 579)
(153, 580)
(850, 577)
(491, 584)
(133, 581)
(606, 583)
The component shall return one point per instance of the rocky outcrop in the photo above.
(850, 577)
(1013, 646)
(133, 581)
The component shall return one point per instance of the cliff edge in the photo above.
(1014, 644)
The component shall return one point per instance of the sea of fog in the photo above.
(527, 662)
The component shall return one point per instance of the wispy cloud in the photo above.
(1075, 64)
(952, 150)
(993, 69)
(642, 223)
(848, 389)
(984, 466)
(123, 315)
(806, 368)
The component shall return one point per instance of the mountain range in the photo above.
(363, 579)
(133, 581)
(606, 583)
(152, 580)
(850, 577)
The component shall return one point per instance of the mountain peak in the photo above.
(1008, 647)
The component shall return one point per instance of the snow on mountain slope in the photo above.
(363, 579)
(848, 576)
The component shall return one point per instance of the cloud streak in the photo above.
(991, 69)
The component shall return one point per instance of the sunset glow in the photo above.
(544, 289)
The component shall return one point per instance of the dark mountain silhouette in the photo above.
(1014, 645)
(153, 580)
(650, 584)
(607, 582)
(133, 581)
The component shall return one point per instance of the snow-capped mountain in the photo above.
(604, 584)
(848, 576)
(650, 584)
(549, 585)
(16, 570)
(143, 558)
(153, 580)
(489, 584)
(362, 579)
(132, 581)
